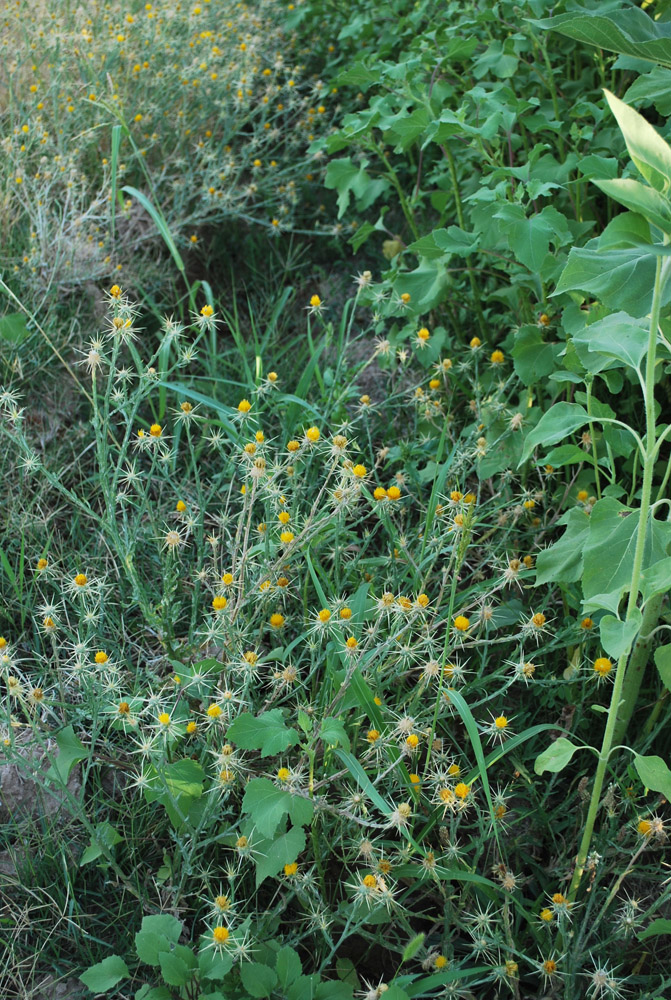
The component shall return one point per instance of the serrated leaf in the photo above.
(654, 774)
(174, 969)
(287, 966)
(105, 975)
(259, 980)
(266, 732)
(555, 757)
(563, 561)
(556, 423)
(617, 637)
(268, 804)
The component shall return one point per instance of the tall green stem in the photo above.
(616, 708)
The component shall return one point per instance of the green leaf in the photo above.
(259, 980)
(608, 552)
(105, 836)
(159, 222)
(361, 235)
(266, 732)
(616, 338)
(621, 279)
(334, 989)
(556, 423)
(628, 30)
(663, 664)
(639, 198)
(351, 179)
(287, 966)
(555, 757)
(183, 778)
(71, 751)
(565, 454)
(105, 975)
(654, 774)
(156, 934)
(13, 328)
(532, 357)
(617, 637)
(650, 153)
(656, 929)
(333, 731)
(281, 852)
(412, 947)
(443, 241)
(656, 579)
(529, 238)
(267, 805)
(214, 963)
(563, 561)
(174, 969)
(653, 87)
(153, 993)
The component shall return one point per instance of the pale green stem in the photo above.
(643, 516)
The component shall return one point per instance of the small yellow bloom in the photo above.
(461, 623)
(101, 657)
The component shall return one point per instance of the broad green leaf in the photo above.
(267, 804)
(361, 235)
(653, 87)
(287, 965)
(532, 357)
(563, 561)
(529, 237)
(70, 751)
(259, 980)
(105, 975)
(266, 732)
(335, 989)
(213, 963)
(596, 167)
(650, 153)
(565, 454)
(174, 969)
(638, 198)
(654, 774)
(333, 732)
(280, 852)
(555, 757)
(105, 836)
(442, 241)
(663, 664)
(656, 929)
(656, 579)
(621, 279)
(350, 179)
(629, 31)
(556, 423)
(156, 934)
(619, 338)
(13, 329)
(182, 778)
(608, 552)
(617, 637)
(154, 993)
